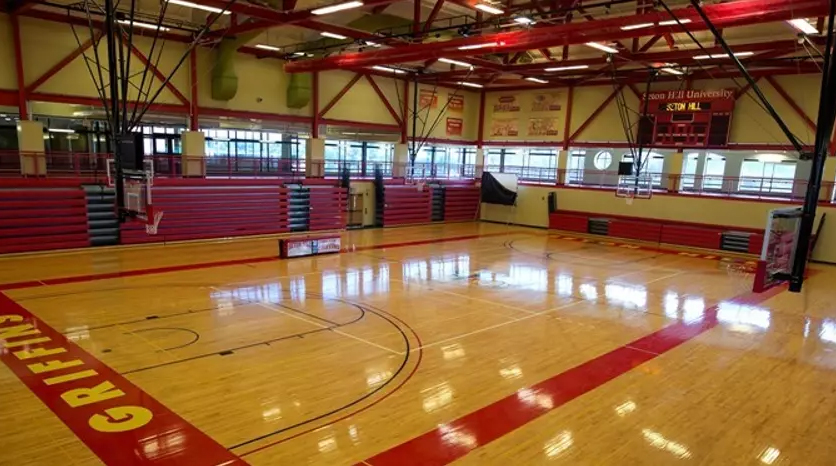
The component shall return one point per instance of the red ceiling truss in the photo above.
(557, 33)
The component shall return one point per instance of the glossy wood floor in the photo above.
(513, 347)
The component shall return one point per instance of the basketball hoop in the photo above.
(153, 222)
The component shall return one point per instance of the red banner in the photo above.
(454, 126)
(427, 98)
(455, 103)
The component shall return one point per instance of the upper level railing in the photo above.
(93, 166)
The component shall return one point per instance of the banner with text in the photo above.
(455, 103)
(427, 98)
(542, 127)
(545, 103)
(454, 126)
(505, 127)
(506, 103)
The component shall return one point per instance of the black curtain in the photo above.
(494, 192)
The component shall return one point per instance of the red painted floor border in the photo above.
(206, 265)
(442, 446)
(120, 423)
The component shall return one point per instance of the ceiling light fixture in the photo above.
(388, 70)
(333, 36)
(198, 6)
(372, 44)
(716, 56)
(488, 9)
(481, 46)
(61, 130)
(803, 25)
(567, 68)
(302, 54)
(523, 20)
(268, 47)
(455, 62)
(537, 80)
(140, 24)
(465, 83)
(601, 47)
(636, 26)
(671, 71)
(335, 8)
(672, 22)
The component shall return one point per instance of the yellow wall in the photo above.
(7, 55)
(361, 102)
(532, 210)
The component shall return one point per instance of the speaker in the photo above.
(552, 202)
(625, 168)
(131, 151)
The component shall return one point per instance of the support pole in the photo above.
(194, 112)
(21, 84)
(825, 120)
(315, 121)
(414, 150)
(751, 81)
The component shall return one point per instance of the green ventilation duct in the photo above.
(224, 78)
(299, 90)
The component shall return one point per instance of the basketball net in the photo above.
(153, 221)
(741, 275)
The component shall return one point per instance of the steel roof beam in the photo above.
(738, 13)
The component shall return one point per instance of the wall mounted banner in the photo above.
(454, 126)
(455, 103)
(506, 103)
(427, 98)
(542, 127)
(545, 103)
(505, 127)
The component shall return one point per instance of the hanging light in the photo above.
(455, 62)
(198, 6)
(465, 83)
(601, 47)
(537, 80)
(488, 9)
(335, 8)
(268, 47)
(803, 25)
(333, 36)
(140, 24)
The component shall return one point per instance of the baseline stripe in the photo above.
(120, 423)
(440, 446)
(206, 265)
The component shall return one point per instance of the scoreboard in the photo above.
(687, 118)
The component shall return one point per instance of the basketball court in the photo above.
(474, 342)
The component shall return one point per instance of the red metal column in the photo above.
(480, 135)
(21, 84)
(315, 121)
(567, 126)
(194, 112)
(405, 115)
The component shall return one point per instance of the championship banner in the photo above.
(542, 127)
(455, 103)
(505, 127)
(545, 103)
(506, 103)
(454, 126)
(427, 98)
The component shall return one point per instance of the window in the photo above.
(715, 167)
(689, 170)
(602, 160)
(535, 164)
(359, 157)
(655, 167)
(767, 177)
(574, 172)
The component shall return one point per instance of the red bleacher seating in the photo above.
(404, 205)
(214, 210)
(43, 216)
(461, 203)
(327, 208)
